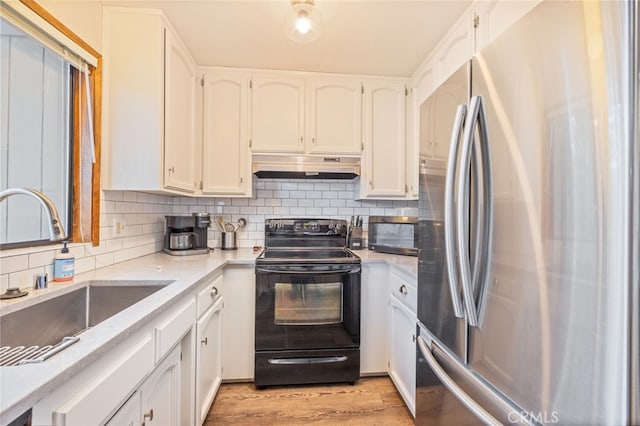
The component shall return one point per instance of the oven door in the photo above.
(307, 306)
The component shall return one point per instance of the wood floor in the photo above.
(371, 401)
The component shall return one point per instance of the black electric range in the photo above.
(307, 304)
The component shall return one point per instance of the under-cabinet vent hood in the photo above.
(306, 166)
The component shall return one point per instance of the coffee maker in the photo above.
(186, 235)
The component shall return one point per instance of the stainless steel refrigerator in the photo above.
(528, 252)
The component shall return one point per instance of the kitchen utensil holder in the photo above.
(229, 241)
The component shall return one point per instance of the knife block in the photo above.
(355, 238)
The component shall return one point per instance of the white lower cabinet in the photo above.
(373, 319)
(92, 396)
(138, 382)
(238, 343)
(129, 413)
(157, 400)
(208, 358)
(160, 393)
(402, 350)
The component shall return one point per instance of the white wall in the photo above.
(82, 17)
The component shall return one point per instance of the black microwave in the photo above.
(393, 234)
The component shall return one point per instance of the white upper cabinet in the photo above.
(383, 161)
(412, 148)
(180, 127)
(149, 98)
(495, 16)
(277, 115)
(335, 116)
(226, 162)
(456, 47)
(306, 115)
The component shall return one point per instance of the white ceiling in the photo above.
(374, 37)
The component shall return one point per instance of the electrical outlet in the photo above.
(118, 227)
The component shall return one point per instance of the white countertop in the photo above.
(22, 386)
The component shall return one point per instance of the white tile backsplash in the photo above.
(326, 198)
(142, 216)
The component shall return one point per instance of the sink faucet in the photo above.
(56, 231)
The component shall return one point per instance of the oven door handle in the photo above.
(348, 270)
(311, 360)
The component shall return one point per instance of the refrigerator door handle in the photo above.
(487, 218)
(450, 248)
(453, 387)
(485, 222)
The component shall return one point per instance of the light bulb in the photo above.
(303, 24)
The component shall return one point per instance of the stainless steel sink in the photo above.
(41, 330)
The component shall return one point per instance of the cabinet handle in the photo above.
(205, 341)
(301, 139)
(406, 189)
(148, 415)
(371, 183)
(172, 169)
(214, 291)
(241, 180)
(413, 337)
(313, 141)
(403, 289)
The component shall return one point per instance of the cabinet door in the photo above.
(133, 95)
(402, 351)
(128, 414)
(238, 323)
(456, 47)
(277, 107)
(412, 153)
(335, 117)
(160, 392)
(179, 117)
(384, 154)
(496, 16)
(374, 320)
(208, 359)
(225, 161)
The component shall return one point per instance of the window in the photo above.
(35, 94)
(48, 97)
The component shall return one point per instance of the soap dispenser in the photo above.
(63, 265)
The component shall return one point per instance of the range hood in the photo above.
(305, 166)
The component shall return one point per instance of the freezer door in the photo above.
(552, 319)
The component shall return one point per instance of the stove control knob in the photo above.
(338, 227)
(272, 224)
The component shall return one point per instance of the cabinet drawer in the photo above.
(169, 331)
(108, 389)
(404, 289)
(208, 295)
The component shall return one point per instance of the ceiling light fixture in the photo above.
(304, 24)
